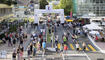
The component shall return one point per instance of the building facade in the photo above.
(5, 10)
(90, 7)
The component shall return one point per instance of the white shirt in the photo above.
(77, 45)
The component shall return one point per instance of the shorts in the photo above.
(77, 48)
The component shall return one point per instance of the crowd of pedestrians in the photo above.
(38, 43)
(77, 31)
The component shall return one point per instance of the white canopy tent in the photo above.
(94, 32)
(93, 26)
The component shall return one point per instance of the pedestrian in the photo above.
(77, 46)
(34, 50)
(38, 47)
(9, 41)
(18, 54)
(28, 52)
(50, 30)
(64, 39)
(14, 55)
(51, 38)
(73, 36)
(61, 47)
(56, 48)
(31, 48)
(96, 38)
(21, 41)
(44, 45)
(84, 46)
(14, 42)
(65, 48)
(56, 39)
(78, 31)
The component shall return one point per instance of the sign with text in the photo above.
(49, 7)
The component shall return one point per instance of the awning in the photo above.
(94, 32)
(4, 6)
(93, 26)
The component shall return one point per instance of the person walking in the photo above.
(28, 52)
(18, 53)
(44, 46)
(84, 46)
(61, 49)
(56, 39)
(65, 48)
(21, 41)
(56, 48)
(34, 50)
(31, 48)
(77, 46)
(14, 42)
(14, 55)
(38, 47)
(64, 39)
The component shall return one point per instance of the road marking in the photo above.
(80, 48)
(90, 46)
(63, 56)
(92, 40)
(71, 46)
(74, 54)
(59, 45)
(87, 56)
(87, 49)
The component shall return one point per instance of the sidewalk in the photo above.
(101, 45)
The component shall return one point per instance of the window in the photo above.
(97, 1)
(101, 1)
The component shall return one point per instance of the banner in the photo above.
(71, 14)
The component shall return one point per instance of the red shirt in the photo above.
(11, 35)
(65, 47)
(96, 38)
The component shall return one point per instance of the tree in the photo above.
(66, 5)
(43, 3)
(3, 1)
(8, 2)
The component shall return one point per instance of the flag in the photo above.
(71, 14)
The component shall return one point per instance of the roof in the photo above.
(4, 6)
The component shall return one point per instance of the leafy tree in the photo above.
(3, 1)
(8, 2)
(43, 3)
(66, 5)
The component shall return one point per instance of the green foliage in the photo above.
(43, 3)
(3, 1)
(66, 5)
(8, 2)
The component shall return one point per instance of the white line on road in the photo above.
(83, 51)
(63, 56)
(87, 56)
(95, 44)
(74, 54)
